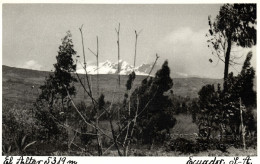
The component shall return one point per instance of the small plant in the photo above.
(6, 149)
(22, 144)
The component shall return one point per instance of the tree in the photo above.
(220, 110)
(57, 87)
(210, 113)
(156, 117)
(64, 67)
(60, 83)
(194, 107)
(241, 87)
(246, 80)
(235, 25)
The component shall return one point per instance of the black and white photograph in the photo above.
(121, 79)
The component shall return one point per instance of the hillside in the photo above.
(22, 85)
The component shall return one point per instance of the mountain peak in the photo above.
(108, 67)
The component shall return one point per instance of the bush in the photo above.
(181, 144)
(211, 144)
(154, 106)
(49, 122)
(188, 146)
(18, 123)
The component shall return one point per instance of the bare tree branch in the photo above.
(136, 37)
(92, 52)
(118, 51)
(157, 57)
(84, 56)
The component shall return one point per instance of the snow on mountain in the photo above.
(146, 68)
(108, 67)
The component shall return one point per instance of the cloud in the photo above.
(187, 52)
(32, 64)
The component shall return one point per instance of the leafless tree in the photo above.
(118, 52)
(97, 55)
(136, 37)
(85, 63)
(157, 57)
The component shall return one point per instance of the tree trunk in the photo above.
(51, 104)
(242, 126)
(99, 143)
(97, 70)
(227, 58)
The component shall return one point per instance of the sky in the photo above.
(32, 34)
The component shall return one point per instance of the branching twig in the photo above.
(136, 37)
(89, 94)
(84, 56)
(118, 51)
(139, 112)
(132, 131)
(153, 65)
(66, 126)
(112, 128)
(95, 126)
(109, 148)
(82, 149)
(96, 54)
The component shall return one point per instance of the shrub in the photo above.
(181, 144)
(53, 104)
(19, 128)
(211, 144)
(154, 107)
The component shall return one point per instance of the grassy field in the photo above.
(17, 85)
(184, 127)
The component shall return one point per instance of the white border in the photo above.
(131, 160)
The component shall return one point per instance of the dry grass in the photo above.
(184, 127)
(160, 151)
(230, 152)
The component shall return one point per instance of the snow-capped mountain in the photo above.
(109, 67)
(146, 68)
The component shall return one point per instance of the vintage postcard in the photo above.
(129, 79)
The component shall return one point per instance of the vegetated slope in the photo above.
(22, 85)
